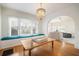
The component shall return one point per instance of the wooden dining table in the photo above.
(38, 44)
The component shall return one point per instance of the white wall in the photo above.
(68, 24)
(64, 12)
(40, 27)
(0, 21)
(72, 12)
(6, 12)
(77, 32)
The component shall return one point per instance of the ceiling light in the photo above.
(41, 12)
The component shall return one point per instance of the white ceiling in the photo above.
(31, 7)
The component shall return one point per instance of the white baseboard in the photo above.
(77, 46)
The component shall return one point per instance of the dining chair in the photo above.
(27, 44)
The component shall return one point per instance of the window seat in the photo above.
(25, 36)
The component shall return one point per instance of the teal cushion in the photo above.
(10, 37)
(38, 34)
(17, 37)
(25, 36)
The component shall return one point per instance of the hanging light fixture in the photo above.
(41, 12)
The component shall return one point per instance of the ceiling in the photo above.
(31, 7)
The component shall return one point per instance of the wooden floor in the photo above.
(59, 49)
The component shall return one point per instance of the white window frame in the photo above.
(19, 26)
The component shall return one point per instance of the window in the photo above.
(13, 26)
(27, 27)
(21, 26)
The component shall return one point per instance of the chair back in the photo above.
(27, 43)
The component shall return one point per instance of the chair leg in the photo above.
(28, 51)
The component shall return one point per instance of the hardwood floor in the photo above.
(60, 49)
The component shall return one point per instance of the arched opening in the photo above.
(62, 24)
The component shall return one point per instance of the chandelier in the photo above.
(40, 12)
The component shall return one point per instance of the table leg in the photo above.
(23, 52)
(29, 52)
(52, 44)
